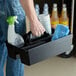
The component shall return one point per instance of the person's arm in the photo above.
(36, 27)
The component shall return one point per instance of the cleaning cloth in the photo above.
(60, 32)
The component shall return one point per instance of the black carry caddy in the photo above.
(42, 48)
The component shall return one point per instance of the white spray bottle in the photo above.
(13, 37)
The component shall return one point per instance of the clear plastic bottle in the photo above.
(37, 9)
(54, 17)
(46, 9)
(64, 17)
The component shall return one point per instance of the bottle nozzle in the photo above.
(64, 7)
(11, 20)
(17, 21)
(36, 6)
(45, 5)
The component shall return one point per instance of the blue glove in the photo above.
(60, 32)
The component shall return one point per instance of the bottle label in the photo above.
(55, 22)
(64, 23)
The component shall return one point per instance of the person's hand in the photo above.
(37, 28)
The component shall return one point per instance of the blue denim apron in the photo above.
(10, 8)
(1, 74)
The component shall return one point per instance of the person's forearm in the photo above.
(28, 6)
(36, 27)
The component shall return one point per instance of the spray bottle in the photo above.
(13, 37)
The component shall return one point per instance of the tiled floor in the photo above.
(53, 67)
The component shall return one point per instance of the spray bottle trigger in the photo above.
(17, 22)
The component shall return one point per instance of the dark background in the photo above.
(59, 3)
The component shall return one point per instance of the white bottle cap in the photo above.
(54, 5)
(64, 5)
(45, 5)
(37, 6)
